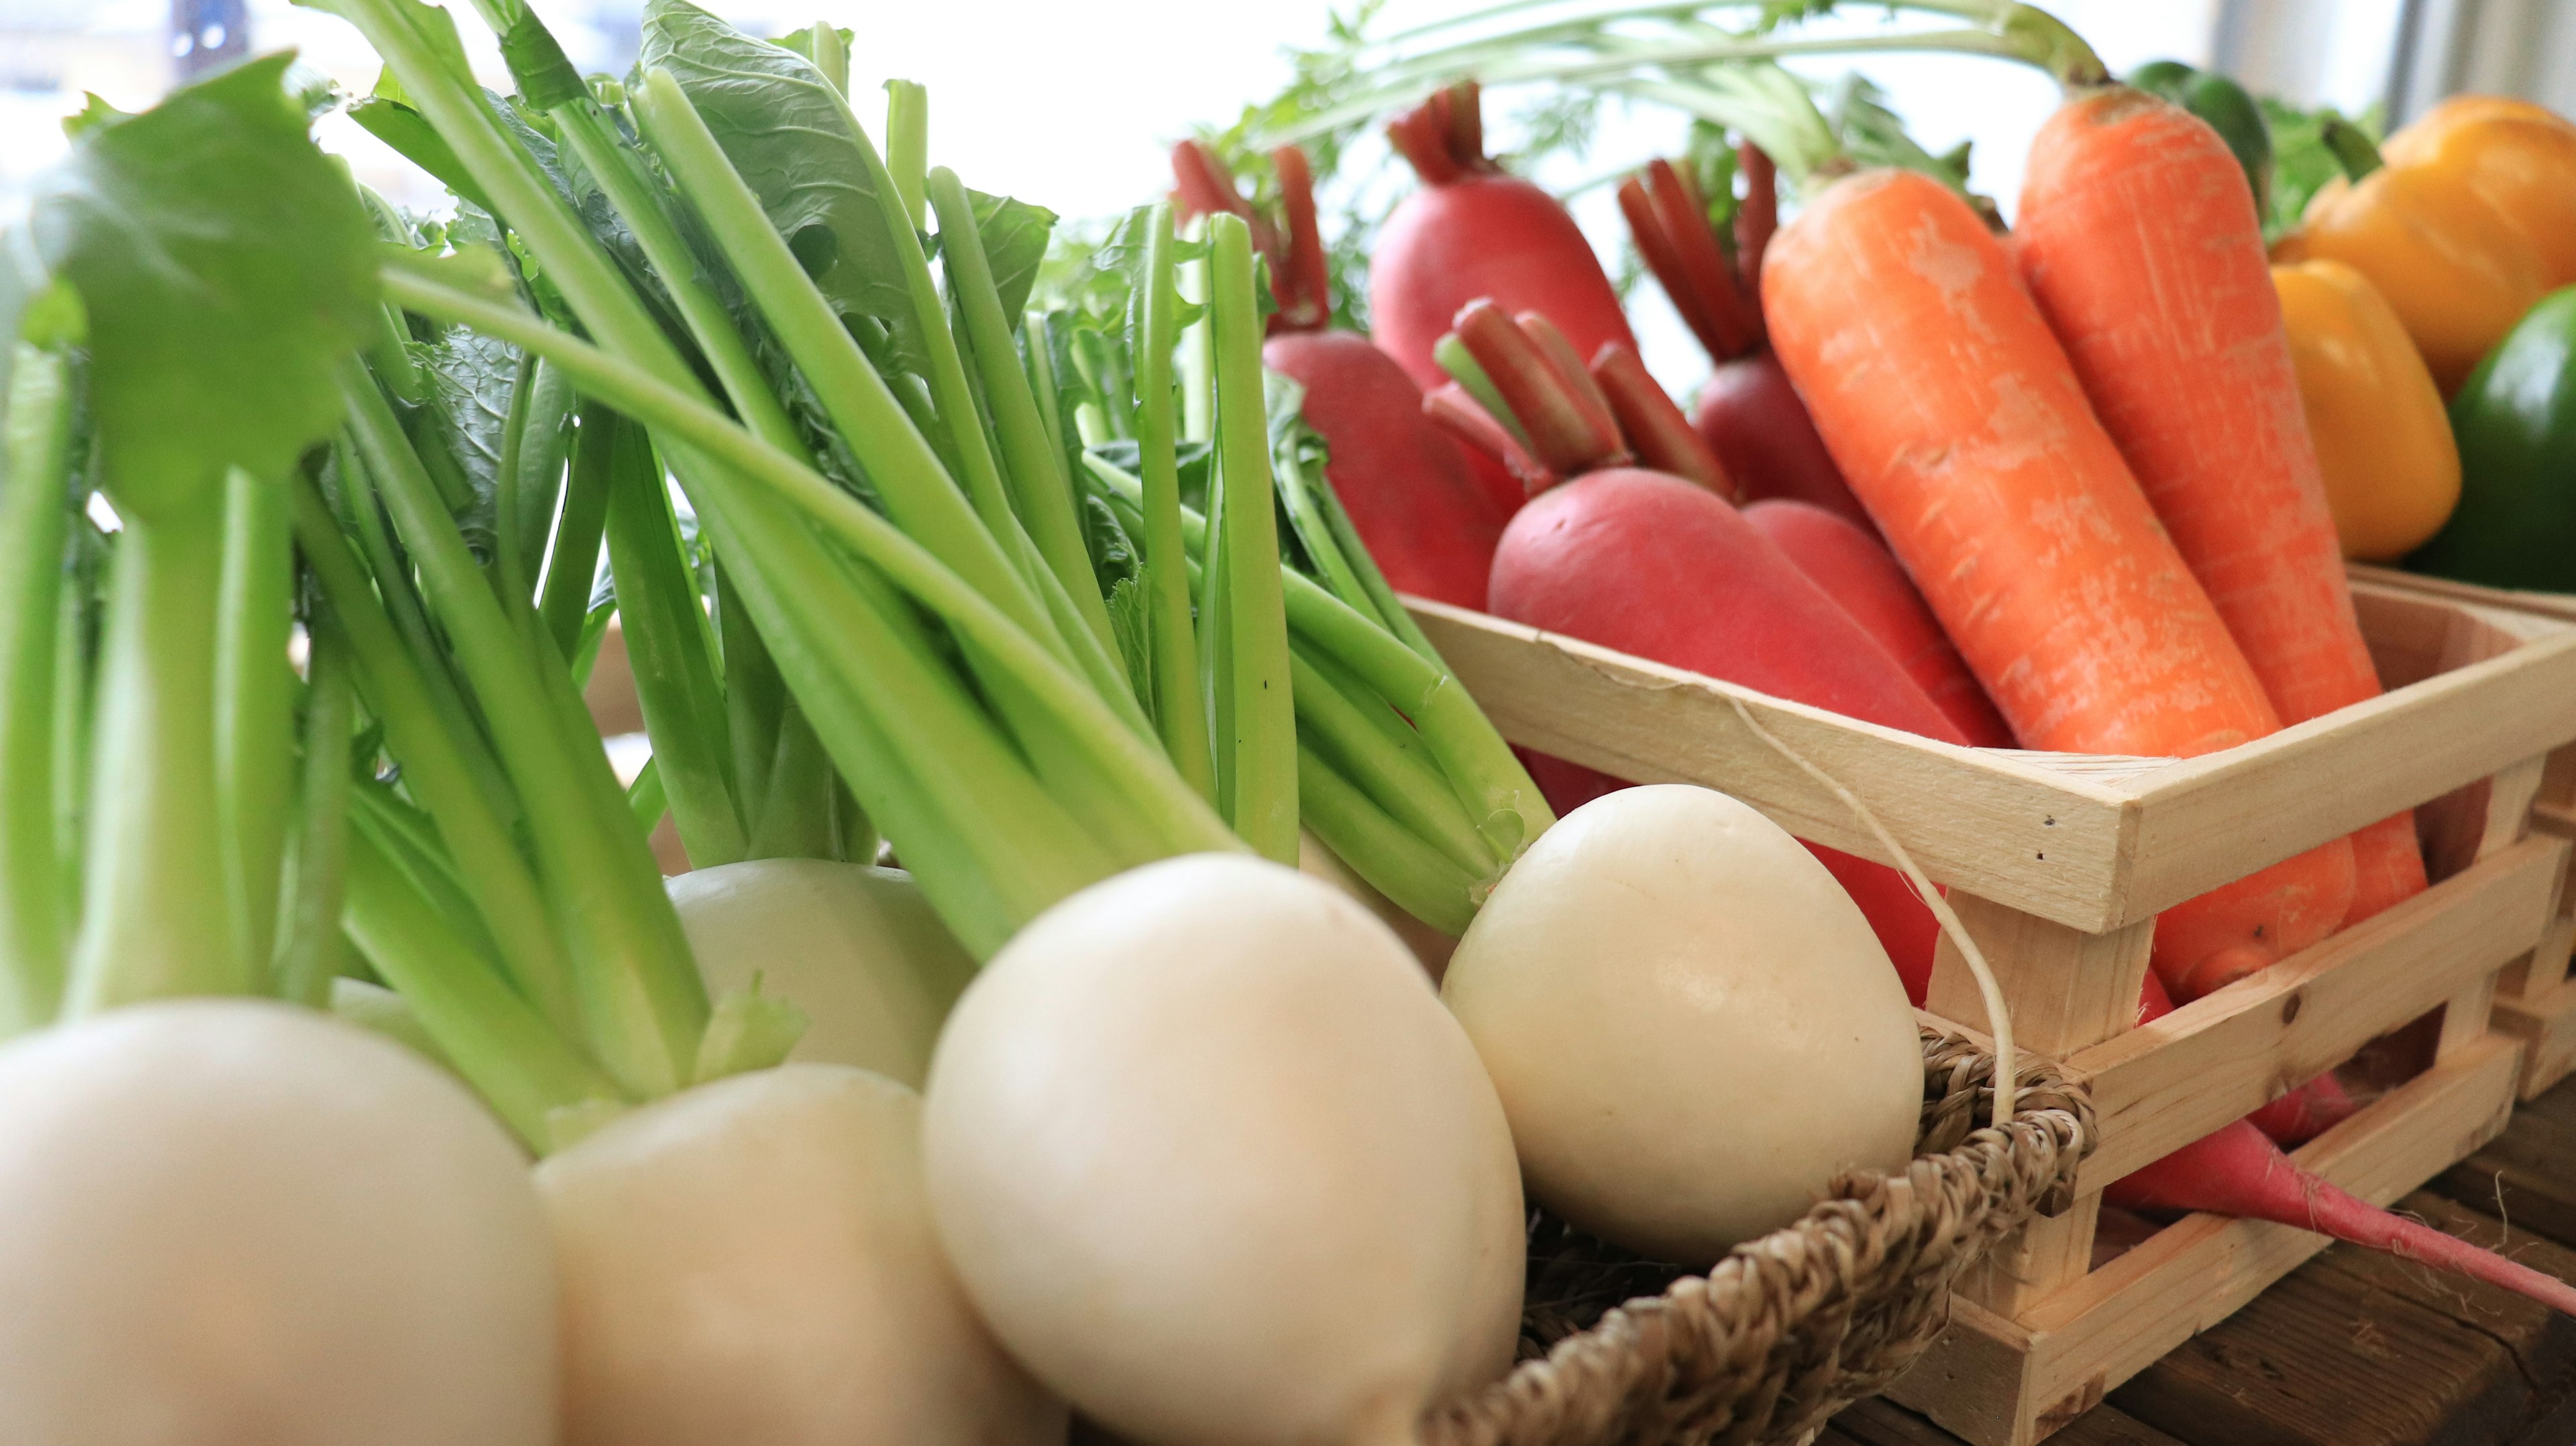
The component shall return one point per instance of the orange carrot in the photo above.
(2139, 240)
(1958, 421)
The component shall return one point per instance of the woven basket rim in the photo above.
(1769, 1342)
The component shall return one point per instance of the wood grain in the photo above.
(2165, 1085)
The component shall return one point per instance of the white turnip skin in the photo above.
(1691, 1026)
(751, 1262)
(856, 947)
(228, 1222)
(1213, 1160)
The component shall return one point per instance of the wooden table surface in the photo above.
(2358, 1349)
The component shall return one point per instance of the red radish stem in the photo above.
(1670, 223)
(1565, 430)
(1852, 566)
(1470, 424)
(1304, 285)
(1473, 231)
(1422, 512)
(1748, 413)
(1758, 216)
(2235, 1171)
(1655, 427)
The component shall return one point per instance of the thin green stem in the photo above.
(157, 916)
(35, 513)
(255, 704)
(503, 1046)
(1252, 712)
(900, 461)
(830, 54)
(572, 571)
(1040, 487)
(1394, 860)
(796, 819)
(1177, 814)
(1397, 776)
(1170, 632)
(907, 152)
(435, 767)
(666, 645)
(642, 1003)
(538, 442)
(309, 949)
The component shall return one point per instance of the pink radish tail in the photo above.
(2235, 1171)
(2333, 1212)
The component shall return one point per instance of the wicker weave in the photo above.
(1791, 1327)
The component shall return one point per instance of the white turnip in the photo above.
(225, 1221)
(751, 1262)
(1691, 1026)
(856, 947)
(1213, 1160)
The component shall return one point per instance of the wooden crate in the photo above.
(2059, 863)
(2535, 1000)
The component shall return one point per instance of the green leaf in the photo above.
(96, 114)
(410, 133)
(1015, 235)
(791, 136)
(1130, 622)
(226, 266)
(471, 378)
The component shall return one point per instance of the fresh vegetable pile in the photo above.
(1005, 650)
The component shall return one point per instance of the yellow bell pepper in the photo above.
(2392, 470)
(2471, 220)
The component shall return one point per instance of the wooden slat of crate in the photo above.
(2003, 825)
(2161, 1086)
(2546, 1026)
(2005, 1382)
(2509, 696)
(2093, 844)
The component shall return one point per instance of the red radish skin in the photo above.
(1655, 566)
(2237, 1172)
(1473, 231)
(2306, 1112)
(1410, 489)
(1751, 417)
(1426, 521)
(1856, 571)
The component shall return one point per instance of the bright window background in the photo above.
(1077, 115)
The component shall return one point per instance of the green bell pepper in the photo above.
(2229, 110)
(2516, 424)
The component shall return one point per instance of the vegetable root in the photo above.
(2235, 1171)
(240, 1221)
(1293, 1214)
(752, 1261)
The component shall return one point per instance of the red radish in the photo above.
(1856, 570)
(1409, 488)
(1473, 231)
(1653, 565)
(2235, 1171)
(2293, 1119)
(1749, 414)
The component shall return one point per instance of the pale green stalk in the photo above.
(34, 526)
